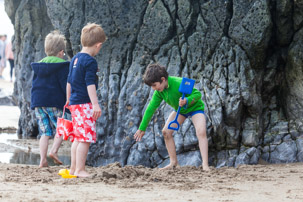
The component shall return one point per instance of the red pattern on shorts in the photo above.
(83, 123)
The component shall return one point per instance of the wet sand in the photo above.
(9, 115)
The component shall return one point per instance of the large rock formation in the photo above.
(246, 58)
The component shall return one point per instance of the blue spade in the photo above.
(186, 87)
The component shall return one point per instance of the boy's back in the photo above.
(49, 83)
(82, 73)
(171, 96)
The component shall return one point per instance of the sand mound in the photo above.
(129, 183)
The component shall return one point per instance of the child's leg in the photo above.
(43, 146)
(81, 155)
(84, 134)
(169, 140)
(73, 157)
(200, 126)
(54, 150)
(45, 132)
(54, 113)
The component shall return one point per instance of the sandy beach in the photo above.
(20, 182)
(114, 183)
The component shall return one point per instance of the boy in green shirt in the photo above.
(48, 94)
(167, 89)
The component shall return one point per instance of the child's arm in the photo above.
(92, 93)
(194, 97)
(149, 112)
(68, 92)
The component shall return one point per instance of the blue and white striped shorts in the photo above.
(47, 120)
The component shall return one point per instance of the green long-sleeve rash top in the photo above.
(171, 96)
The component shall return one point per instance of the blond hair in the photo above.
(54, 43)
(91, 34)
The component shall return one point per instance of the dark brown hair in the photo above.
(154, 73)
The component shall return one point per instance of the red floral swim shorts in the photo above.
(83, 123)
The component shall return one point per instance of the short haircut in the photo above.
(154, 73)
(54, 43)
(91, 34)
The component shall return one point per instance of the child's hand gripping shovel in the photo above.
(186, 87)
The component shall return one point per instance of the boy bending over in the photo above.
(167, 89)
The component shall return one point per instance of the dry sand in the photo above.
(113, 183)
(283, 182)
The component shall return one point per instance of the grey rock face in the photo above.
(286, 152)
(6, 99)
(249, 156)
(294, 77)
(246, 58)
(29, 17)
(300, 149)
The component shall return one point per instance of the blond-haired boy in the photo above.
(48, 93)
(82, 97)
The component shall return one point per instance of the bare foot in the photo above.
(72, 172)
(169, 166)
(55, 158)
(82, 174)
(43, 164)
(206, 168)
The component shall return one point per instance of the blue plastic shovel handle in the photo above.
(176, 119)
